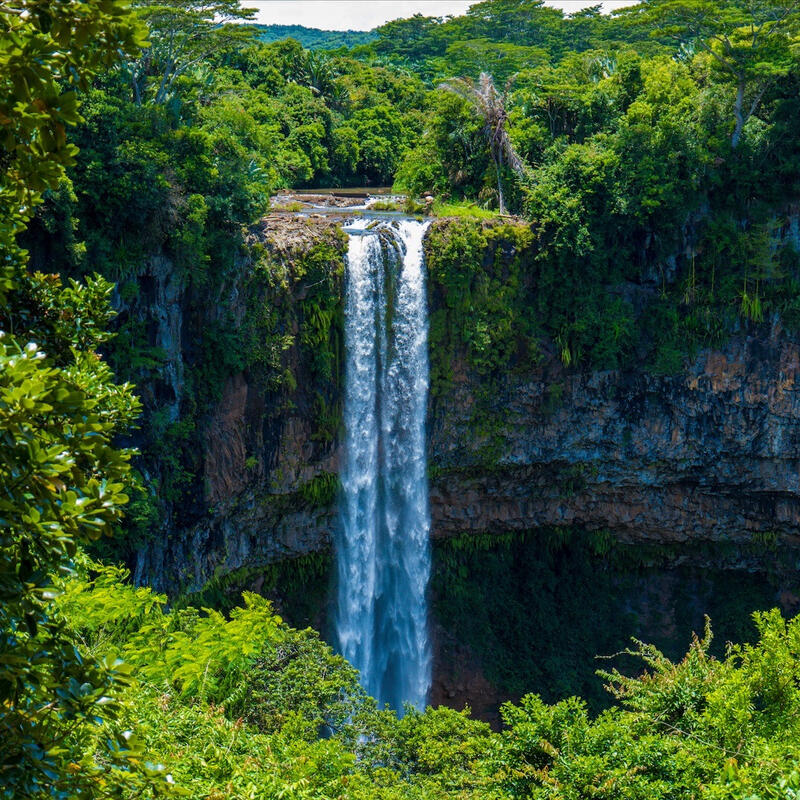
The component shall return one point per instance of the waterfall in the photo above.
(383, 550)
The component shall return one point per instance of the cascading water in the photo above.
(383, 551)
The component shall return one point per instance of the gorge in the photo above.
(630, 462)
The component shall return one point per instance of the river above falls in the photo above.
(373, 203)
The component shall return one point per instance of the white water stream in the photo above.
(383, 551)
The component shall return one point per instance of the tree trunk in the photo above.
(498, 165)
(166, 82)
(738, 114)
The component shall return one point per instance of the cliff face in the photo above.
(711, 454)
(265, 453)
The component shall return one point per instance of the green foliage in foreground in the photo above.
(62, 483)
(61, 478)
(246, 707)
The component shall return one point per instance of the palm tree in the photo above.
(317, 71)
(490, 105)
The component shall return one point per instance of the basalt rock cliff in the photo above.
(711, 454)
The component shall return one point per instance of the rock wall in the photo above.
(259, 446)
(712, 454)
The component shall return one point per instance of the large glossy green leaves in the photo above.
(61, 476)
(48, 48)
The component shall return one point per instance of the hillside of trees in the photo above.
(314, 38)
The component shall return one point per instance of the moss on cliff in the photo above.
(294, 300)
(477, 276)
(499, 303)
(504, 297)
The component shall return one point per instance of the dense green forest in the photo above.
(663, 138)
(314, 38)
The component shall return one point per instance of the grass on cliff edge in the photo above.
(463, 211)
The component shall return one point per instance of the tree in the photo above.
(528, 22)
(490, 105)
(60, 477)
(500, 59)
(47, 51)
(381, 142)
(316, 71)
(748, 40)
(183, 34)
(62, 484)
(412, 40)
